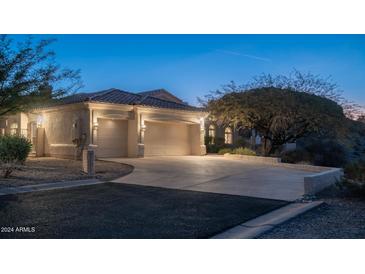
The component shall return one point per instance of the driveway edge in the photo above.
(49, 186)
(255, 227)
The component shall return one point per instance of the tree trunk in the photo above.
(272, 150)
(266, 146)
(253, 139)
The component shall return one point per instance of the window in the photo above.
(228, 135)
(13, 128)
(211, 134)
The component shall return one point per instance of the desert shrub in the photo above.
(14, 150)
(241, 142)
(212, 148)
(327, 153)
(318, 152)
(354, 179)
(356, 171)
(295, 156)
(352, 187)
(244, 151)
(224, 151)
(215, 148)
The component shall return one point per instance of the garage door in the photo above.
(166, 139)
(112, 138)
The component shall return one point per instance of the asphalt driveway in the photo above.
(216, 174)
(113, 210)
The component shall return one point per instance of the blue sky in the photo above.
(192, 65)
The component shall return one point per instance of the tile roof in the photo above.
(162, 94)
(151, 92)
(116, 96)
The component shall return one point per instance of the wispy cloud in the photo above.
(244, 55)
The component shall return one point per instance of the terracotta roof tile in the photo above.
(116, 96)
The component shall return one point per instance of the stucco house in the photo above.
(114, 123)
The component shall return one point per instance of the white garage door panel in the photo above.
(112, 138)
(166, 139)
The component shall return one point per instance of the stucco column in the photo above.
(93, 129)
(197, 139)
(141, 129)
(135, 135)
(203, 149)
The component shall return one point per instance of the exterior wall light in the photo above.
(141, 137)
(39, 121)
(143, 126)
(202, 123)
(95, 125)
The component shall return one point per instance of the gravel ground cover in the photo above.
(48, 170)
(342, 216)
(113, 210)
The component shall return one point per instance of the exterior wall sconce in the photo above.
(201, 123)
(39, 121)
(141, 138)
(95, 125)
(143, 125)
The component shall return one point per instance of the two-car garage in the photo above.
(160, 138)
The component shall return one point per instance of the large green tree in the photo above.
(30, 76)
(279, 115)
(297, 81)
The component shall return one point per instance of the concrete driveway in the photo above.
(216, 174)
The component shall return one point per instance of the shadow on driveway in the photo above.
(125, 211)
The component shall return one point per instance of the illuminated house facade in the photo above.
(114, 123)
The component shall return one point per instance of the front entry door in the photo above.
(33, 135)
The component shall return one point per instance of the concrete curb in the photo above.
(275, 161)
(304, 167)
(255, 227)
(254, 159)
(48, 186)
(316, 182)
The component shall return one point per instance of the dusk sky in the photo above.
(192, 65)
